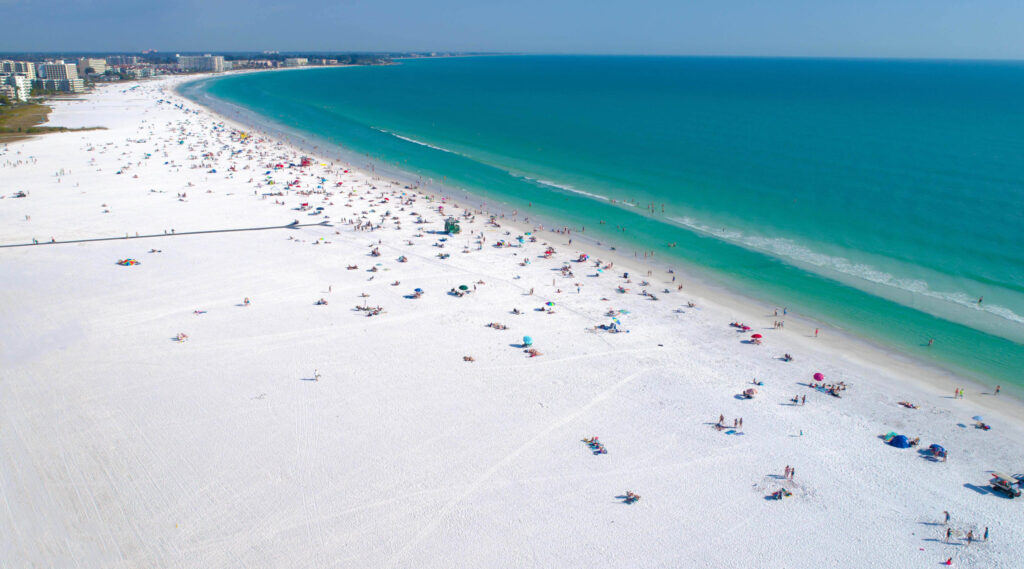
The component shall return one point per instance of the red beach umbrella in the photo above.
(757, 336)
(819, 376)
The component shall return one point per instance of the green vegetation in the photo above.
(21, 121)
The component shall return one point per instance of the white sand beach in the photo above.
(430, 439)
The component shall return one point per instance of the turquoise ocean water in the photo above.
(881, 197)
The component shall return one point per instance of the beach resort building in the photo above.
(26, 68)
(15, 87)
(75, 85)
(124, 60)
(98, 66)
(57, 70)
(295, 61)
(207, 62)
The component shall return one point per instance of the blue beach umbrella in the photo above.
(527, 340)
(418, 290)
(977, 418)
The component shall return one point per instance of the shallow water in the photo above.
(882, 197)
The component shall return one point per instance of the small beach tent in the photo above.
(451, 226)
(900, 441)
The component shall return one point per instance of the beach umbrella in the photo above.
(756, 336)
(549, 303)
(463, 287)
(819, 376)
(527, 340)
(977, 418)
(418, 290)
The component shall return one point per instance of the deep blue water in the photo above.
(883, 197)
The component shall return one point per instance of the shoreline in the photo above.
(840, 342)
(159, 417)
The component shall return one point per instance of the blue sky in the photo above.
(985, 29)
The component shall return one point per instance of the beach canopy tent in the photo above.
(900, 441)
(451, 226)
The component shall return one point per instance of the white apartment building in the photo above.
(57, 70)
(26, 68)
(75, 85)
(97, 66)
(214, 63)
(295, 61)
(19, 87)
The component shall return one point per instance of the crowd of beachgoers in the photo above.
(225, 350)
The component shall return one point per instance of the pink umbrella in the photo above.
(819, 376)
(745, 328)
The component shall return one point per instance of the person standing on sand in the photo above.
(815, 332)
(986, 533)
(741, 422)
(949, 534)
(946, 514)
(721, 419)
(803, 400)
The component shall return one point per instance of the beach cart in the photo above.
(1006, 484)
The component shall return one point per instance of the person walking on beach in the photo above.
(316, 375)
(803, 400)
(946, 514)
(986, 533)
(949, 534)
(815, 332)
(970, 536)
